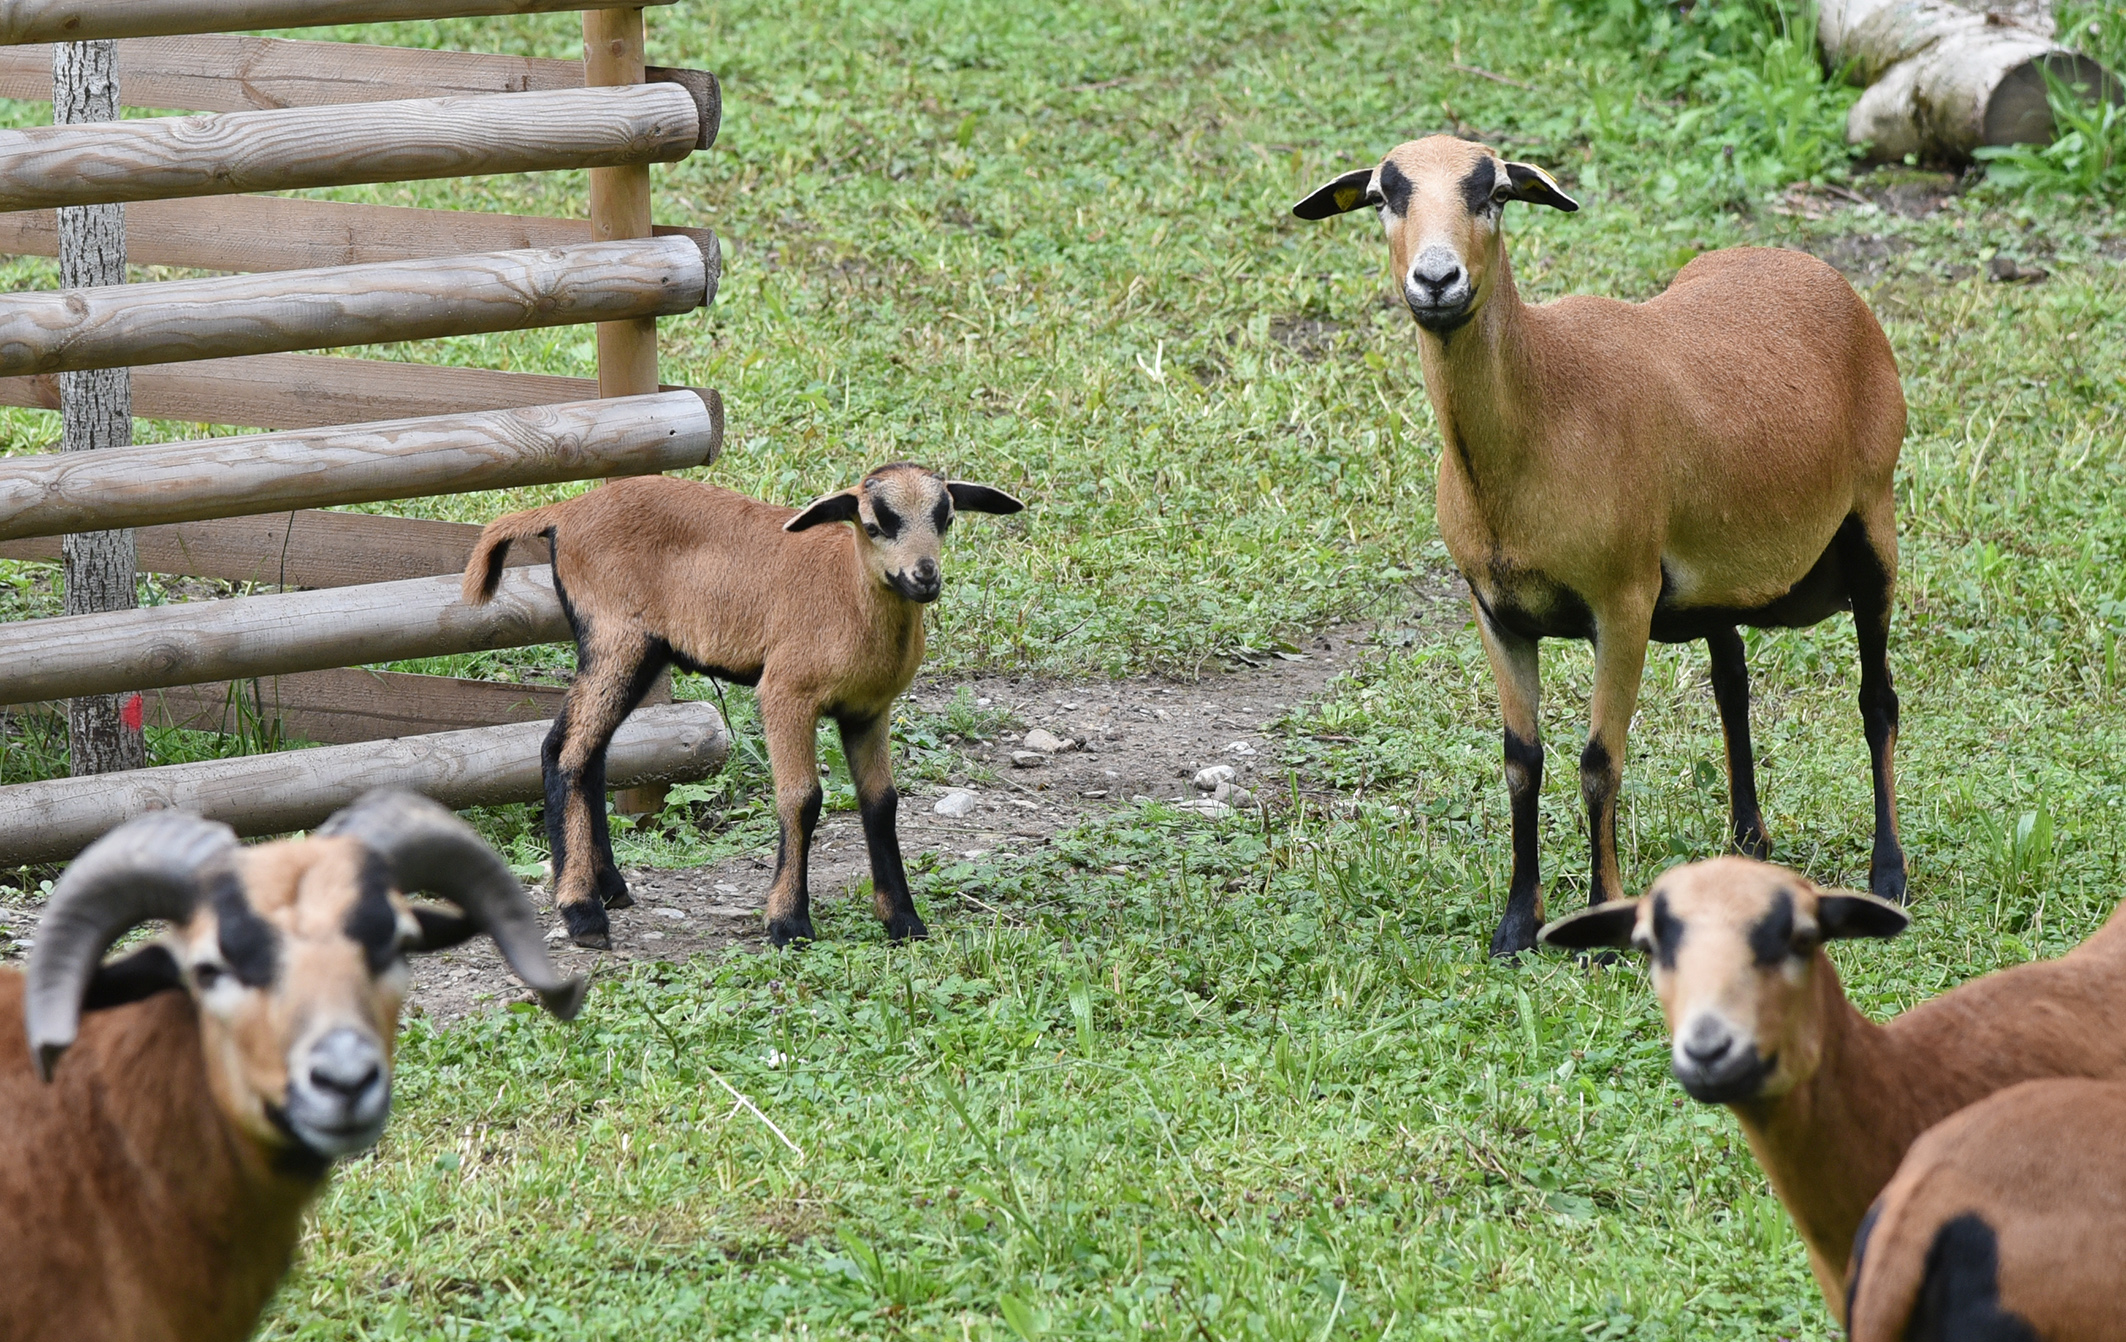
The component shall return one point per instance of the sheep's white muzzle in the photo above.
(339, 1093)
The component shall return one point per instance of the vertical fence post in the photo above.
(613, 53)
(95, 410)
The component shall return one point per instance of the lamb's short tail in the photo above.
(483, 572)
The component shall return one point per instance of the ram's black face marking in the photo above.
(1668, 932)
(371, 923)
(1478, 185)
(249, 944)
(1394, 189)
(889, 521)
(1772, 938)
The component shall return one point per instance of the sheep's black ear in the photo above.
(1531, 184)
(147, 971)
(1845, 914)
(1345, 194)
(981, 498)
(840, 506)
(441, 928)
(1604, 925)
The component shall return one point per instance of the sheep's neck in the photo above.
(1481, 378)
(1832, 1142)
(209, 1203)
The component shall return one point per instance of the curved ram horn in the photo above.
(432, 851)
(152, 867)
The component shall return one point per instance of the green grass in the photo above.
(1221, 1081)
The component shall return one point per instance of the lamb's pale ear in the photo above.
(1604, 925)
(1533, 185)
(840, 506)
(1345, 194)
(969, 498)
(1844, 914)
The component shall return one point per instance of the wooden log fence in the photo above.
(146, 649)
(309, 274)
(93, 20)
(272, 794)
(366, 463)
(224, 316)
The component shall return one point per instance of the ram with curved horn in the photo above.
(175, 1110)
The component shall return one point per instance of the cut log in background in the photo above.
(1945, 79)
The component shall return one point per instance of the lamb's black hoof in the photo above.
(1754, 842)
(587, 926)
(1516, 933)
(612, 890)
(906, 927)
(1888, 882)
(623, 900)
(784, 931)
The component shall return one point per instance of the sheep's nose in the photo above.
(346, 1063)
(926, 569)
(1707, 1046)
(1436, 271)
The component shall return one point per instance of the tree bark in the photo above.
(1944, 78)
(95, 410)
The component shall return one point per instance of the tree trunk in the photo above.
(96, 410)
(1943, 79)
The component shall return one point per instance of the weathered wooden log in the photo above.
(1944, 80)
(273, 635)
(313, 391)
(295, 789)
(54, 494)
(179, 320)
(420, 139)
(304, 548)
(83, 20)
(255, 233)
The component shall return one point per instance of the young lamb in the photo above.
(156, 1156)
(826, 621)
(1829, 1100)
(1719, 455)
(2007, 1221)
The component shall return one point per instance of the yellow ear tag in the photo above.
(1347, 198)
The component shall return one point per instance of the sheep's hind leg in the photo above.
(1516, 668)
(1868, 556)
(1731, 691)
(793, 756)
(612, 886)
(866, 744)
(573, 765)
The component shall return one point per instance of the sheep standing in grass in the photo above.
(1718, 456)
(826, 621)
(1829, 1100)
(2006, 1223)
(175, 1110)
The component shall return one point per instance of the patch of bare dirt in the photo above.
(1128, 740)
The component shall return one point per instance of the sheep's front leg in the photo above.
(1620, 659)
(610, 678)
(1518, 671)
(791, 727)
(866, 743)
(1731, 691)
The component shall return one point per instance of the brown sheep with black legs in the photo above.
(2006, 1223)
(1829, 1100)
(166, 1118)
(825, 621)
(1720, 455)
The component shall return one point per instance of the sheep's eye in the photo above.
(871, 530)
(207, 975)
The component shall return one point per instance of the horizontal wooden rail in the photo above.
(224, 72)
(305, 548)
(295, 789)
(337, 707)
(420, 139)
(179, 320)
(93, 20)
(108, 653)
(55, 493)
(311, 391)
(254, 233)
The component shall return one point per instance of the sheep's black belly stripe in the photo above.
(1820, 594)
(723, 673)
(1959, 1297)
